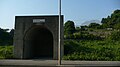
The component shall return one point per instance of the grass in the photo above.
(6, 52)
(92, 50)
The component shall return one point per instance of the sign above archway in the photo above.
(38, 20)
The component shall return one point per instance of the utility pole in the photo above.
(59, 34)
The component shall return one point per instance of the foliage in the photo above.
(69, 27)
(82, 36)
(95, 42)
(6, 37)
(77, 29)
(70, 46)
(112, 21)
(84, 28)
(6, 52)
(115, 35)
(94, 25)
(92, 50)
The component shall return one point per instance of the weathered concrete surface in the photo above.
(53, 63)
(25, 34)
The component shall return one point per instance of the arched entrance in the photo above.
(38, 43)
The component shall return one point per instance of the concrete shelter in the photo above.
(36, 37)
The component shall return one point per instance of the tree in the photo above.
(12, 32)
(115, 19)
(112, 21)
(69, 27)
(84, 28)
(5, 37)
(77, 29)
(94, 25)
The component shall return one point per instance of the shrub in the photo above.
(115, 35)
(92, 50)
(6, 52)
(70, 46)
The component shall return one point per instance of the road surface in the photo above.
(53, 63)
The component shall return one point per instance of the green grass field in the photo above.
(92, 50)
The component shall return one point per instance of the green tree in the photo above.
(12, 33)
(106, 22)
(112, 21)
(94, 25)
(84, 28)
(5, 37)
(69, 27)
(116, 19)
(77, 29)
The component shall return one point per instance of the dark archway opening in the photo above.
(40, 43)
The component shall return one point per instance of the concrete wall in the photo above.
(24, 24)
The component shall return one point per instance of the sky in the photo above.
(78, 11)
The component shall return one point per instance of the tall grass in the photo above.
(92, 50)
(6, 52)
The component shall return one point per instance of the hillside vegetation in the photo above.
(6, 43)
(96, 42)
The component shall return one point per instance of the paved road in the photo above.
(53, 63)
